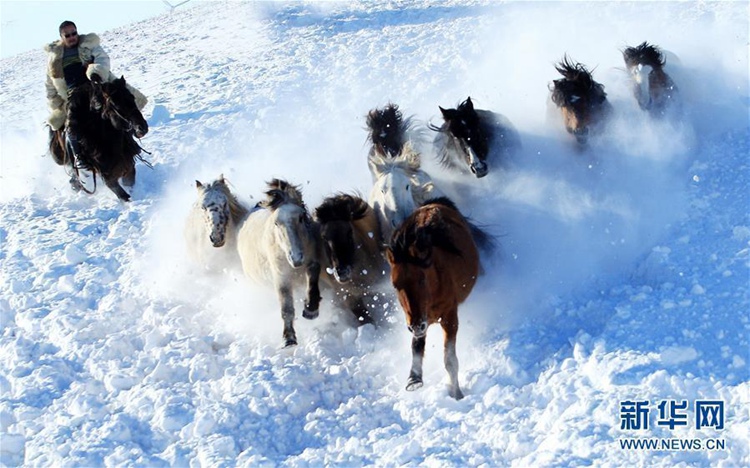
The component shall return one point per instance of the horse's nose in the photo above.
(479, 169)
(418, 330)
(216, 240)
(141, 131)
(296, 260)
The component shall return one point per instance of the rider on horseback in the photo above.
(70, 62)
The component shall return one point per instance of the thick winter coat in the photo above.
(94, 59)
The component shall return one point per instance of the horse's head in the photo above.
(292, 224)
(464, 126)
(412, 254)
(336, 215)
(392, 195)
(581, 99)
(117, 104)
(215, 205)
(387, 130)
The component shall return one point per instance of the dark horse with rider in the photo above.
(95, 117)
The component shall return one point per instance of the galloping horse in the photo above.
(434, 265)
(349, 231)
(212, 224)
(653, 88)
(582, 100)
(105, 118)
(474, 137)
(278, 243)
(400, 187)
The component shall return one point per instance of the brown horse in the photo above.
(434, 265)
(652, 86)
(106, 120)
(349, 231)
(581, 100)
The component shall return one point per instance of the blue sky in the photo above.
(26, 25)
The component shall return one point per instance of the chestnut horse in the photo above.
(581, 100)
(350, 235)
(434, 265)
(653, 88)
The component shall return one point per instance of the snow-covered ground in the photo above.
(622, 274)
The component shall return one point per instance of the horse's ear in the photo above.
(449, 114)
(469, 104)
(198, 184)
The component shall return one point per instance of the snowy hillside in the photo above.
(622, 275)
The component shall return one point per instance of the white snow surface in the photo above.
(622, 272)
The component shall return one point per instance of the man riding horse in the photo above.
(71, 61)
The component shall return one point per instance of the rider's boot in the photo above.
(84, 178)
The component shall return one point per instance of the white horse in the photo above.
(278, 244)
(211, 226)
(400, 188)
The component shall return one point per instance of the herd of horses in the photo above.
(347, 245)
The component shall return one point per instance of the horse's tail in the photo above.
(57, 146)
(485, 241)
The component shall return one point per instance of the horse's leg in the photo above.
(116, 188)
(356, 303)
(417, 355)
(312, 300)
(128, 179)
(287, 313)
(450, 329)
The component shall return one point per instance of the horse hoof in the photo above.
(413, 384)
(310, 314)
(290, 343)
(457, 394)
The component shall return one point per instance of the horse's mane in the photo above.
(388, 127)
(644, 54)
(482, 238)
(236, 209)
(341, 207)
(280, 192)
(423, 237)
(409, 160)
(444, 201)
(578, 81)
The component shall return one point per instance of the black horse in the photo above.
(474, 138)
(653, 88)
(349, 231)
(581, 100)
(106, 120)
